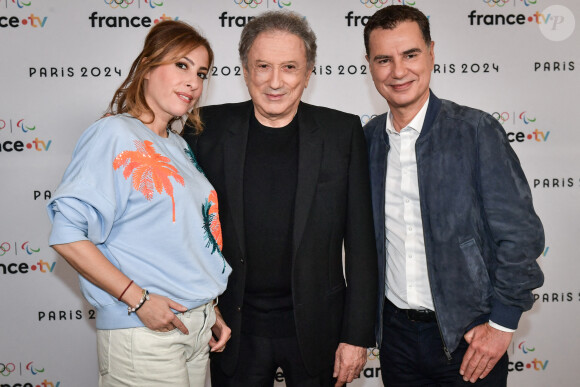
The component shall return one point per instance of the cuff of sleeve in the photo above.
(505, 315)
(64, 232)
(500, 328)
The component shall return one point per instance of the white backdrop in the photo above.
(60, 62)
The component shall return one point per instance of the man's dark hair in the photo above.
(391, 16)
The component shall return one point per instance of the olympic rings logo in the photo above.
(373, 3)
(373, 353)
(2, 124)
(365, 118)
(119, 3)
(501, 117)
(493, 3)
(248, 3)
(4, 248)
(7, 369)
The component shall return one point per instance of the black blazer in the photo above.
(333, 204)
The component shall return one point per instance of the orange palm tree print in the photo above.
(151, 171)
(216, 229)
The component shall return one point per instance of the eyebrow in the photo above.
(192, 63)
(407, 52)
(284, 62)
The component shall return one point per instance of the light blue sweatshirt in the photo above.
(144, 202)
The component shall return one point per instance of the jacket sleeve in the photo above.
(360, 253)
(514, 227)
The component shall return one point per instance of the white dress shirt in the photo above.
(407, 282)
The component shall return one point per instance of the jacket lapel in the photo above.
(234, 159)
(309, 160)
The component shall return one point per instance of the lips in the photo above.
(402, 86)
(185, 97)
(274, 97)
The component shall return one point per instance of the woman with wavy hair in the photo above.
(136, 217)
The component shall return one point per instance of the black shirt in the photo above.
(270, 178)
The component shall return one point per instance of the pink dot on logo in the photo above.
(155, 21)
(33, 267)
(29, 145)
(528, 365)
(529, 136)
(24, 21)
(530, 18)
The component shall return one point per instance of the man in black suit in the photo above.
(293, 185)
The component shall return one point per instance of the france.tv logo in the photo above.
(32, 20)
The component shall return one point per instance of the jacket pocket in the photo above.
(476, 270)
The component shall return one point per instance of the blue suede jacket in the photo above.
(482, 235)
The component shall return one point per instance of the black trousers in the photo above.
(412, 355)
(259, 360)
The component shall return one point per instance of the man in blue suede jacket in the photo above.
(457, 236)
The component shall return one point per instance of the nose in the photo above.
(194, 83)
(275, 80)
(399, 69)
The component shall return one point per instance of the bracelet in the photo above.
(144, 297)
(127, 288)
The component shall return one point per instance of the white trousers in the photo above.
(145, 358)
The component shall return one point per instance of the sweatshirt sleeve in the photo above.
(87, 201)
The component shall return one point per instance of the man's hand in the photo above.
(348, 363)
(486, 346)
(221, 331)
